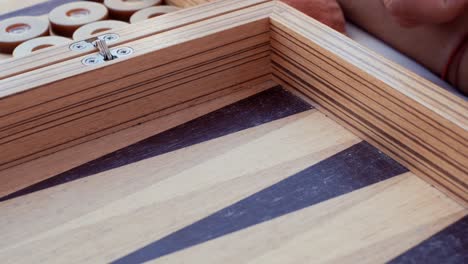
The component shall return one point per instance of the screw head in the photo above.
(109, 37)
(92, 60)
(122, 51)
(79, 45)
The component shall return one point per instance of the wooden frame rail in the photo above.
(58, 113)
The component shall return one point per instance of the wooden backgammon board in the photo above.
(228, 131)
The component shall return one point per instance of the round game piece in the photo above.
(33, 45)
(151, 12)
(67, 18)
(88, 30)
(124, 9)
(16, 30)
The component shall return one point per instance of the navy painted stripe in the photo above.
(36, 10)
(354, 168)
(449, 246)
(267, 106)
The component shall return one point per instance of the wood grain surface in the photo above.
(235, 198)
(176, 69)
(261, 108)
(415, 122)
(268, 179)
(145, 28)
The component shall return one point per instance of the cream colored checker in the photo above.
(67, 18)
(152, 12)
(88, 30)
(123, 9)
(36, 44)
(16, 30)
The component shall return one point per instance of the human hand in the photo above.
(411, 13)
(326, 11)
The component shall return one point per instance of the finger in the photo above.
(414, 12)
(326, 11)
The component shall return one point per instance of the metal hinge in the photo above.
(105, 53)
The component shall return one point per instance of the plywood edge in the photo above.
(170, 72)
(64, 71)
(15, 66)
(412, 120)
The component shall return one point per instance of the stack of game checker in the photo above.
(75, 20)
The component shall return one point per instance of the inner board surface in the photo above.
(269, 162)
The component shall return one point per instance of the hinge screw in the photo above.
(109, 37)
(92, 60)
